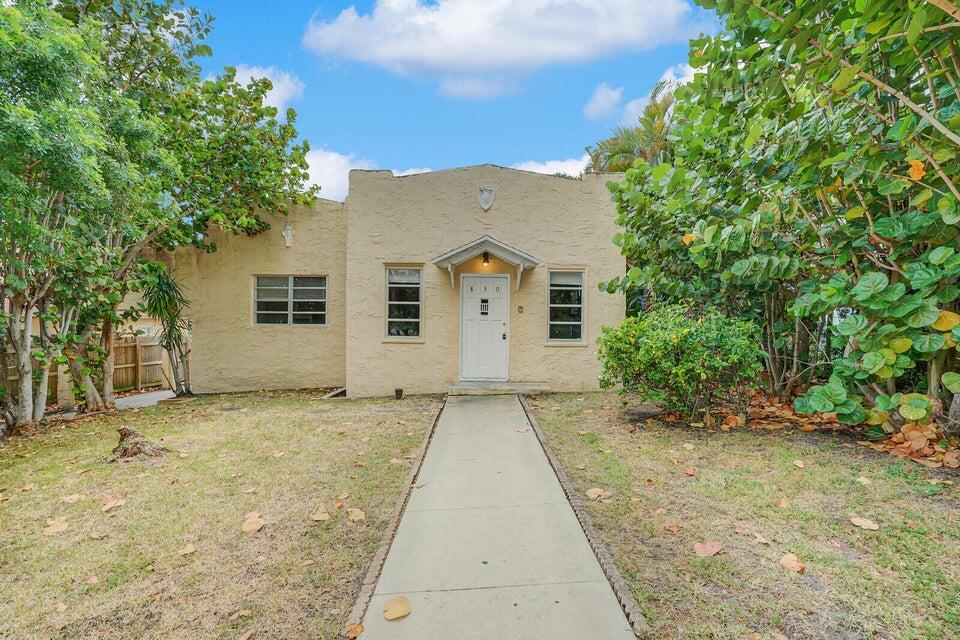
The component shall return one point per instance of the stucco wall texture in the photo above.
(388, 221)
(410, 220)
(229, 352)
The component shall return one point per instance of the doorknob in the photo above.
(504, 336)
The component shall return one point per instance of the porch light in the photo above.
(486, 258)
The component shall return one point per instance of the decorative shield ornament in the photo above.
(485, 195)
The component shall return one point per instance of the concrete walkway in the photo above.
(141, 400)
(488, 546)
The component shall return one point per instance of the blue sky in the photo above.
(432, 84)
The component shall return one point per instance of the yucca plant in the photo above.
(163, 299)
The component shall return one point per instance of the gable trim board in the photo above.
(433, 222)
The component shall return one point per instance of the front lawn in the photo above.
(763, 495)
(156, 548)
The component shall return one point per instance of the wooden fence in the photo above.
(10, 379)
(138, 363)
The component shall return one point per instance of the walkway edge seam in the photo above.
(623, 592)
(369, 584)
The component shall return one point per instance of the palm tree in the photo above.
(648, 140)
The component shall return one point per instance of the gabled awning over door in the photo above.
(518, 259)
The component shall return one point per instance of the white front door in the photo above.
(484, 304)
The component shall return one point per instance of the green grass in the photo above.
(280, 454)
(902, 581)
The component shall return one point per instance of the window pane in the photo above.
(403, 311)
(403, 276)
(271, 294)
(272, 281)
(566, 278)
(309, 318)
(309, 294)
(309, 281)
(403, 294)
(566, 314)
(566, 296)
(565, 331)
(272, 318)
(406, 329)
(272, 306)
(309, 306)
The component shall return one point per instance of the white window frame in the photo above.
(290, 313)
(551, 305)
(387, 302)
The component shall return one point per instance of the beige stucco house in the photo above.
(418, 282)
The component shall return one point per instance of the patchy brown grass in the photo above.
(902, 581)
(280, 454)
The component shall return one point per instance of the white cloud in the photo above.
(412, 171)
(466, 43)
(474, 87)
(572, 167)
(286, 86)
(679, 74)
(331, 171)
(604, 102)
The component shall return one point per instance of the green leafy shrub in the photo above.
(682, 358)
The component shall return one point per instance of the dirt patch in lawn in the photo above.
(156, 548)
(763, 496)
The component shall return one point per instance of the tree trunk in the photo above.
(84, 382)
(40, 400)
(108, 340)
(953, 415)
(21, 337)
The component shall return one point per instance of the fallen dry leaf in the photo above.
(760, 539)
(792, 563)
(97, 536)
(73, 498)
(55, 526)
(113, 504)
(672, 527)
(396, 461)
(784, 503)
(689, 472)
(253, 523)
(598, 494)
(307, 562)
(396, 608)
(320, 515)
(863, 523)
(279, 454)
(186, 550)
(582, 433)
(864, 481)
(355, 515)
(28, 487)
(688, 446)
(707, 548)
(353, 631)
(239, 613)
(247, 635)
(60, 607)
(799, 464)
(92, 579)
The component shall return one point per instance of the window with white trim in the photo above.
(291, 300)
(566, 305)
(404, 302)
